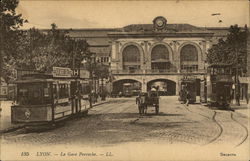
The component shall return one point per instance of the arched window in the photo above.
(189, 53)
(160, 53)
(160, 58)
(131, 57)
(189, 58)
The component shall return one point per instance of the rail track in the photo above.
(221, 128)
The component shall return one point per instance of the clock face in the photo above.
(159, 23)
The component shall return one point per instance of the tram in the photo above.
(161, 87)
(188, 85)
(127, 89)
(219, 84)
(47, 98)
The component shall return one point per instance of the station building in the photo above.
(145, 54)
(159, 52)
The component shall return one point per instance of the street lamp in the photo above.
(90, 61)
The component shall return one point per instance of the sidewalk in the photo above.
(244, 108)
(5, 116)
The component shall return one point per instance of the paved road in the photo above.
(118, 122)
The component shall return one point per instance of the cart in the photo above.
(145, 100)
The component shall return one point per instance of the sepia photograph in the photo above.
(124, 80)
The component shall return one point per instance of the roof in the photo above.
(217, 65)
(101, 51)
(94, 37)
(169, 28)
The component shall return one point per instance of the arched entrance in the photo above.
(164, 86)
(128, 87)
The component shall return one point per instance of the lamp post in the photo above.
(90, 62)
(237, 92)
(1, 45)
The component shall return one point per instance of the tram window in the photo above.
(55, 91)
(63, 91)
(30, 94)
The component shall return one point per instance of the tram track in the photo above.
(221, 128)
(244, 127)
(219, 133)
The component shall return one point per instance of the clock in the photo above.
(159, 23)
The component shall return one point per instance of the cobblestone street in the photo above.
(118, 122)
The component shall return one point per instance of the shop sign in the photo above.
(62, 72)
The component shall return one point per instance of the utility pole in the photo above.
(1, 45)
(237, 89)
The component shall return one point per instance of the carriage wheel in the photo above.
(140, 109)
(145, 109)
(156, 109)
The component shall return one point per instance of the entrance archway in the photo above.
(128, 87)
(164, 86)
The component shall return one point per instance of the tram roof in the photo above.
(219, 65)
(36, 78)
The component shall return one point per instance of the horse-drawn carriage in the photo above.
(145, 100)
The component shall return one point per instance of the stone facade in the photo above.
(109, 43)
(174, 39)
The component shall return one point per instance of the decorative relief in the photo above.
(176, 42)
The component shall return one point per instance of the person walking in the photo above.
(187, 98)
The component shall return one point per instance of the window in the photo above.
(189, 58)
(131, 57)
(189, 53)
(33, 93)
(63, 91)
(131, 54)
(160, 53)
(189, 68)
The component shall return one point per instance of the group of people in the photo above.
(184, 96)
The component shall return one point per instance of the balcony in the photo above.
(157, 71)
(196, 71)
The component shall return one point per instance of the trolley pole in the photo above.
(1, 46)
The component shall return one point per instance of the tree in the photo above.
(60, 50)
(10, 21)
(233, 50)
(41, 51)
(101, 71)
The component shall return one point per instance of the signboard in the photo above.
(189, 77)
(62, 72)
(222, 78)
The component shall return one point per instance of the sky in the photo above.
(116, 14)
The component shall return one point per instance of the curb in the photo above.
(100, 103)
(11, 129)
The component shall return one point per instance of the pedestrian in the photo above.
(238, 98)
(120, 94)
(181, 96)
(187, 98)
